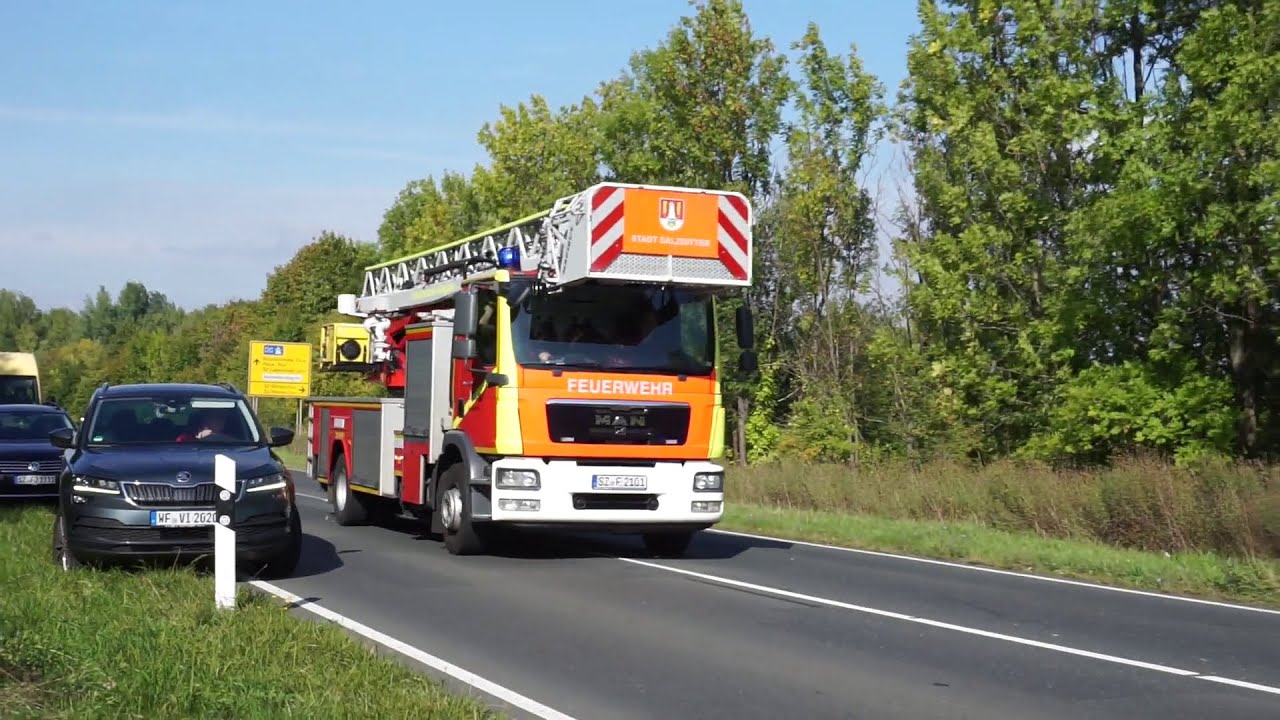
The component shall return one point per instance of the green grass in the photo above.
(1253, 581)
(149, 644)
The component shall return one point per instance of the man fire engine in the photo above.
(560, 371)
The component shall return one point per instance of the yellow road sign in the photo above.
(279, 369)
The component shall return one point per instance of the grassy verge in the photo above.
(1253, 581)
(120, 643)
(1212, 532)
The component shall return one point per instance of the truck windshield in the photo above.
(617, 328)
(18, 389)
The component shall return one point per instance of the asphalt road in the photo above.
(750, 628)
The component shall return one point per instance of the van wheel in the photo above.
(348, 508)
(461, 535)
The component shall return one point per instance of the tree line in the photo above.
(1085, 237)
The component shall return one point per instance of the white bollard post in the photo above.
(224, 534)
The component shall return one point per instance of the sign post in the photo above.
(224, 533)
(279, 369)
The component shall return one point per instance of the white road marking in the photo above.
(1012, 573)
(950, 626)
(978, 568)
(511, 697)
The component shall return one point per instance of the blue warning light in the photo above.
(509, 258)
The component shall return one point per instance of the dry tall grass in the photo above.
(1230, 509)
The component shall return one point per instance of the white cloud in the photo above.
(206, 121)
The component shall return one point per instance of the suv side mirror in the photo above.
(746, 328)
(280, 436)
(63, 438)
(466, 314)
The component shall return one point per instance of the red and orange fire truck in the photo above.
(559, 371)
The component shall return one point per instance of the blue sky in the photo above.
(194, 146)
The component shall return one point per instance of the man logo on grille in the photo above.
(184, 477)
(671, 213)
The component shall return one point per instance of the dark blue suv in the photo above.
(138, 482)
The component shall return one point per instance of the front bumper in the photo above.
(568, 497)
(109, 527)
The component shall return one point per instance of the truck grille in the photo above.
(618, 424)
(162, 495)
(22, 467)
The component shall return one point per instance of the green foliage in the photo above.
(1088, 257)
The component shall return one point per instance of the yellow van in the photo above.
(19, 378)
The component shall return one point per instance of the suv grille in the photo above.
(21, 467)
(618, 424)
(162, 495)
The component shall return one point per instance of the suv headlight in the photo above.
(518, 479)
(275, 481)
(95, 485)
(708, 482)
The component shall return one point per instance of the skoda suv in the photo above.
(139, 479)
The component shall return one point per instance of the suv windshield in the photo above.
(621, 328)
(18, 389)
(151, 421)
(28, 425)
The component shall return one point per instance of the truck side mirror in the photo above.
(466, 314)
(746, 328)
(747, 362)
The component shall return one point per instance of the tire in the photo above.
(348, 508)
(63, 556)
(284, 564)
(670, 545)
(461, 535)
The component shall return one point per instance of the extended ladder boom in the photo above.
(610, 232)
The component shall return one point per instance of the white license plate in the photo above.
(35, 479)
(619, 482)
(182, 518)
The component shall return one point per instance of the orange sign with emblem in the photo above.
(665, 222)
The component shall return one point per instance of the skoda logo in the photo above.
(33, 466)
(184, 477)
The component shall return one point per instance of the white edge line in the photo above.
(981, 568)
(958, 628)
(510, 696)
(1011, 573)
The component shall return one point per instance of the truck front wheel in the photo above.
(461, 535)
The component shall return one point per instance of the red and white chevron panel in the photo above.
(733, 231)
(606, 227)
(735, 228)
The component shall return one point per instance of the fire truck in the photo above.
(560, 371)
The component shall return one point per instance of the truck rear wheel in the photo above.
(348, 507)
(461, 535)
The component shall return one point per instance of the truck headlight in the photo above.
(275, 481)
(95, 485)
(518, 479)
(708, 482)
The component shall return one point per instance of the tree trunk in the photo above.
(1245, 375)
(740, 433)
